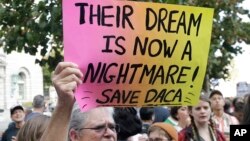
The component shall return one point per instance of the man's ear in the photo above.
(73, 135)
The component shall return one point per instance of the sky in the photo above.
(240, 70)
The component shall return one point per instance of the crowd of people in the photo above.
(27, 121)
(209, 120)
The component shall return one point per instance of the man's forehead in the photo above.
(18, 110)
(99, 110)
(216, 95)
(99, 113)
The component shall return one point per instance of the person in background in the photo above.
(129, 122)
(27, 111)
(228, 106)
(246, 115)
(94, 125)
(222, 119)
(17, 116)
(33, 129)
(239, 111)
(161, 131)
(237, 100)
(38, 107)
(245, 98)
(1, 134)
(172, 119)
(202, 127)
(147, 118)
(179, 117)
(161, 114)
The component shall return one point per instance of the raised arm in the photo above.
(66, 78)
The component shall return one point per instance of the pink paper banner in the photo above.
(137, 53)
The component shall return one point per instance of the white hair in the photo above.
(79, 118)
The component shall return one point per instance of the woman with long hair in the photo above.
(202, 128)
(33, 129)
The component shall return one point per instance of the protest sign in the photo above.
(137, 53)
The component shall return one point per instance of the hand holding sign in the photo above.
(66, 78)
(135, 53)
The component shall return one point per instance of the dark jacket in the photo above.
(9, 132)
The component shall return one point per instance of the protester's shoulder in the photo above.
(10, 128)
(10, 131)
(11, 124)
(185, 131)
(232, 119)
(31, 115)
(171, 121)
(178, 128)
(220, 136)
(167, 120)
(3, 138)
(7, 132)
(182, 134)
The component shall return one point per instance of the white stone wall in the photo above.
(243, 88)
(21, 62)
(2, 80)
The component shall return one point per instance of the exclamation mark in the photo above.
(194, 75)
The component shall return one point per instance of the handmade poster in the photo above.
(137, 53)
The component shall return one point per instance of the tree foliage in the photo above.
(36, 28)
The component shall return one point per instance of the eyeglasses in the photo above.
(158, 139)
(103, 128)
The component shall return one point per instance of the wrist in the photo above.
(65, 105)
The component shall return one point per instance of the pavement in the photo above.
(4, 120)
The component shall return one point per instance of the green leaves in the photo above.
(27, 26)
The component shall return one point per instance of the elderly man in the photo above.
(95, 125)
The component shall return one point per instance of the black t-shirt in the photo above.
(11, 131)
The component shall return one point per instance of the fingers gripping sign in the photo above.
(66, 78)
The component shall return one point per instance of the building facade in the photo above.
(20, 79)
(243, 88)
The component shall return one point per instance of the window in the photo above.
(22, 90)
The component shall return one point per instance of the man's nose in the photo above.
(109, 133)
(203, 110)
(107, 129)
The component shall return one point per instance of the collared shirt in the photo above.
(223, 123)
(173, 122)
